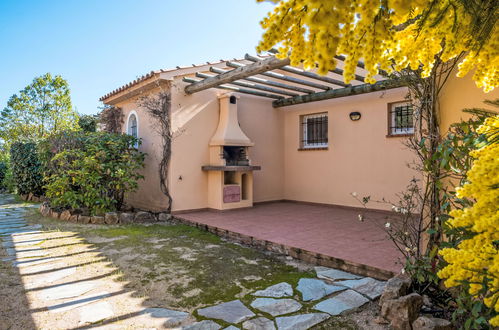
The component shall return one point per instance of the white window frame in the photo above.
(128, 128)
(303, 120)
(392, 131)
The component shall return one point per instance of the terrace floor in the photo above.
(323, 231)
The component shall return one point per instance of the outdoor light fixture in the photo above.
(354, 116)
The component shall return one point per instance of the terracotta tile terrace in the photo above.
(325, 235)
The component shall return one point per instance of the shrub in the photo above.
(474, 262)
(90, 170)
(26, 168)
(3, 173)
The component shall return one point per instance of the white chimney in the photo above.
(229, 132)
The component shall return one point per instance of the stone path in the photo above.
(70, 285)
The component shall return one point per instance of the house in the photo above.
(255, 130)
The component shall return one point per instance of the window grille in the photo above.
(401, 119)
(315, 131)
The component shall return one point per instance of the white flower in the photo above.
(354, 194)
(406, 233)
(403, 210)
(395, 209)
(407, 249)
(387, 225)
(361, 218)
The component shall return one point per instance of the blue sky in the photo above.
(100, 45)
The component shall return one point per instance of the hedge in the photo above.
(26, 169)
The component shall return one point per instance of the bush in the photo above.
(90, 170)
(26, 168)
(3, 173)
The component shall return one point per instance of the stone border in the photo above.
(297, 253)
(32, 198)
(109, 218)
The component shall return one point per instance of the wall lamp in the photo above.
(354, 116)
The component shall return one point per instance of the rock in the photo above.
(367, 286)
(403, 311)
(276, 307)
(335, 274)
(35, 199)
(73, 218)
(65, 215)
(126, 217)
(29, 197)
(313, 289)
(203, 325)
(97, 219)
(54, 214)
(259, 323)
(45, 209)
(231, 327)
(395, 287)
(84, 219)
(143, 216)
(300, 322)
(111, 218)
(280, 290)
(164, 217)
(172, 318)
(95, 312)
(231, 312)
(343, 302)
(431, 323)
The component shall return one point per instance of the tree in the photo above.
(41, 108)
(88, 123)
(388, 35)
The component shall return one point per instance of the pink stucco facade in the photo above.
(360, 156)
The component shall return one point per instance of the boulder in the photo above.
(163, 216)
(84, 219)
(65, 215)
(143, 216)
(395, 287)
(111, 218)
(126, 217)
(403, 311)
(73, 218)
(97, 219)
(431, 323)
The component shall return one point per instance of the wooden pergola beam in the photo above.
(267, 82)
(236, 89)
(300, 72)
(252, 85)
(284, 77)
(340, 92)
(264, 65)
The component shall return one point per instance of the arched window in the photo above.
(133, 125)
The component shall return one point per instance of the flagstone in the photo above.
(301, 321)
(276, 307)
(335, 274)
(343, 302)
(276, 291)
(51, 277)
(367, 286)
(203, 325)
(170, 318)
(64, 291)
(231, 312)
(259, 323)
(29, 263)
(95, 312)
(78, 302)
(313, 289)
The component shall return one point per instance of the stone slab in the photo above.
(343, 302)
(259, 323)
(50, 277)
(367, 286)
(301, 321)
(231, 327)
(276, 307)
(170, 318)
(313, 289)
(276, 291)
(64, 291)
(95, 312)
(231, 312)
(335, 274)
(29, 263)
(78, 302)
(203, 325)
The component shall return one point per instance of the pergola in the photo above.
(274, 78)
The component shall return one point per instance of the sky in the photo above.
(98, 46)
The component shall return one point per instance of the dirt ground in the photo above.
(169, 266)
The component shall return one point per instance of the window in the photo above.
(132, 125)
(400, 119)
(314, 131)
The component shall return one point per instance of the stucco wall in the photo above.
(194, 121)
(149, 195)
(360, 158)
